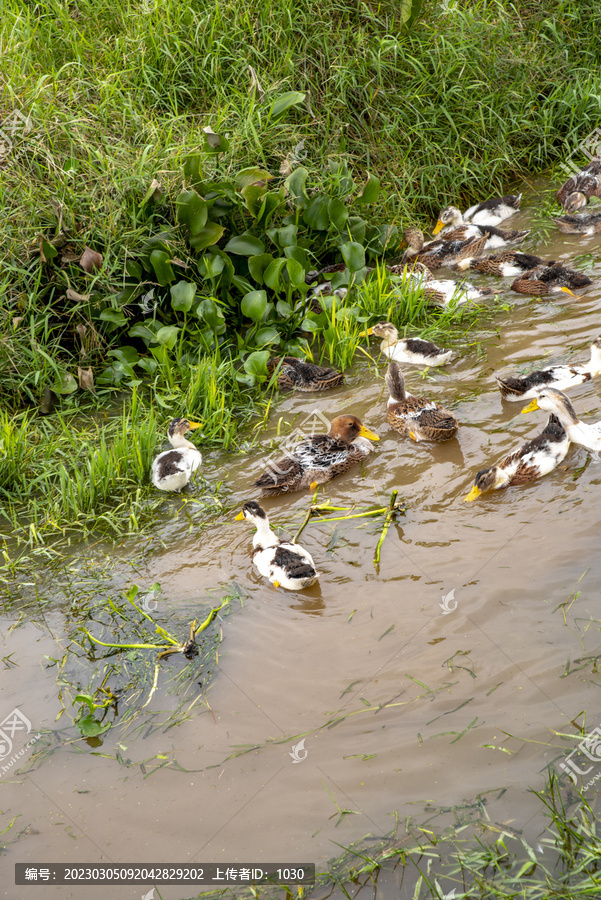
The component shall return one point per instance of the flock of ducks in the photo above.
(321, 457)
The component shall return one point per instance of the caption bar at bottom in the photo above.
(166, 873)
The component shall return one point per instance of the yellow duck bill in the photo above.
(366, 433)
(531, 406)
(239, 517)
(439, 227)
(473, 494)
(194, 425)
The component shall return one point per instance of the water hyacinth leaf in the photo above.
(207, 236)
(167, 336)
(114, 316)
(338, 213)
(258, 264)
(284, 309)
(316, 214)
(355, 227)
(148, 365)
(211, 265)
(353, 255)
(143, 331)
(296, 272)
(213, 142)
(370, 192)
(284, 237)
(208, 310)
(182, 296)
(300, 255)
(256, 363)
(253, 197)
(253, 175)
(193, 168)
(133, 269)
(295, 185)
(91, 727)
(128, 355)
(309, 324)
(272, 273)
(191, 211)
(64, 383)
(161, 264)
(245, 245)
(284, 102)
(271, 202)
(254, 305)
(268, 335)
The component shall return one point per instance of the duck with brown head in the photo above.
(319, 458)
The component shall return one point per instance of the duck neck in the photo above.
(595, 360)
(178, 441)
(264, 536)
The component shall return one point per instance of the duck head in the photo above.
(449, 216)
(554, 401)
(348, 428)
(385, 330)
(177, 429)
(487, 480)
(575, 201)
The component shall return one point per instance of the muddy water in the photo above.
(435, 709)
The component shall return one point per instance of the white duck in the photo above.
(172, 470)
(410, 350)
(284, 563)
(556, 402)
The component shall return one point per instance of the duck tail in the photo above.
(510, 387)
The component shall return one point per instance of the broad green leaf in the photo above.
(207, 236)
(214, 143)
(90, 727)
(284, 102)
(208, 310)
(338, 213)
(410, 11)
(167, 335)
(64, 383)
(299, 255)
(114, 316)
(258, 264)
(142, 331)
(370, 192)
(47, 251)
(341, 175)
(271, 275)
(316, 214)
(182, 296)
(253, 196)
(284, 237)
(309, 324)
(271, 202)
(355, 226)
(191, 211)
(87, 699)
(256, 363)
(161, 264)
(295, 185)
(354, 255)
(267, 335)
(249, 176)
(284, 309)
(193, 168)
(148, 365)
(127, 354)
(245, 245)
(211, 265)
(296, 272)
(133, 269)
(254, 305)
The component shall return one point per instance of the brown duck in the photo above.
(319, 458)
(550, 278)
(578, 190)
(300, 375)
(414, 417)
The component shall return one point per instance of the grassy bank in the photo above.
(330, 129)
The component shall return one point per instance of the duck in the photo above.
(559, 377)
(438, 292)
(172, 469)
(556, 402)
(532, 460)
(586, 223)
(551, 277)
(301, 375)
(489, 212)
(580, 187)
(507, 263)
(440, 253)
(414, 417)
(319, 458)
(495, 237)
(409, 350)
(284, 563)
